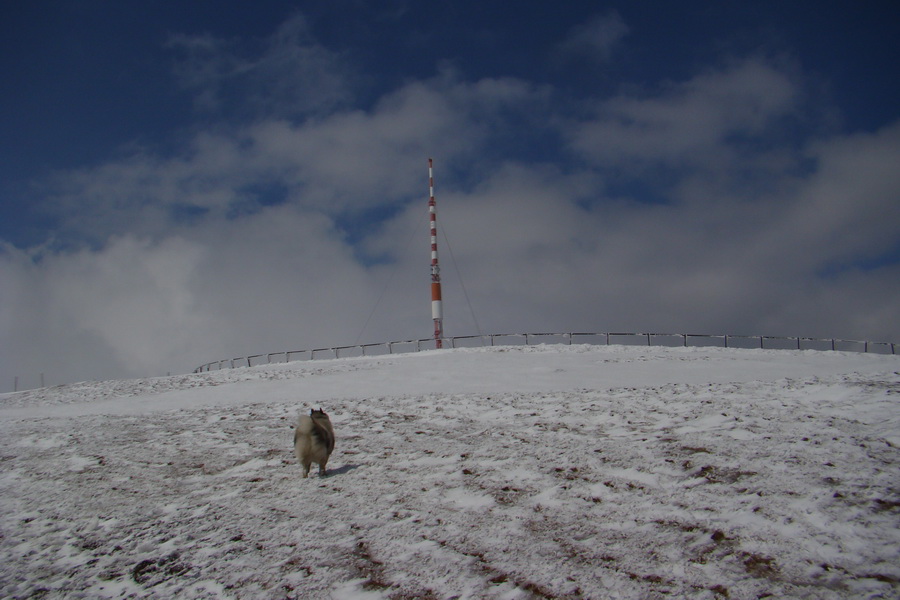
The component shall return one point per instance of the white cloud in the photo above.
(690, 123)
(348, 161)
(595, 39)
(851, 202)
(739, 245)
(275, 280)
(289, 74)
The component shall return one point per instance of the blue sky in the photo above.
(185, 181)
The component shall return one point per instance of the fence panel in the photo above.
(470, 341)
(277, 357)
(816, 344)
(508, 339)
(348, 351)
(880, 348)
(597, 339)
(705, 341)
(780, 343)
(628, 339)
(547, 338)
(257, 359)
(668, 340)
(299, 355)
(850, 346)
(375, 349)
(407, 346)
(743, 342)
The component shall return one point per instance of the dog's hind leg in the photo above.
(322, 471)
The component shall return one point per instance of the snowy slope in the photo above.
(518, 472)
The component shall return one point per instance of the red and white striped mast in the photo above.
(437, 308)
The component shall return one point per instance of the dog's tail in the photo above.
(323, 435)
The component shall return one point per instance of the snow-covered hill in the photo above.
(517, 472)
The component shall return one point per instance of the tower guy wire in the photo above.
(461, 283)
(387, 284)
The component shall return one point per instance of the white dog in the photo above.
(313, 440)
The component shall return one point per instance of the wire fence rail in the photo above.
(765, 342)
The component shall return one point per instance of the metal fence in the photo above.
(764, 342)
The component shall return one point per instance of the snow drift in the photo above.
(517, 472)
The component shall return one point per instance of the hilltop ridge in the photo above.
(515, 472)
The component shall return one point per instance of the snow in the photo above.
(507, 473)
